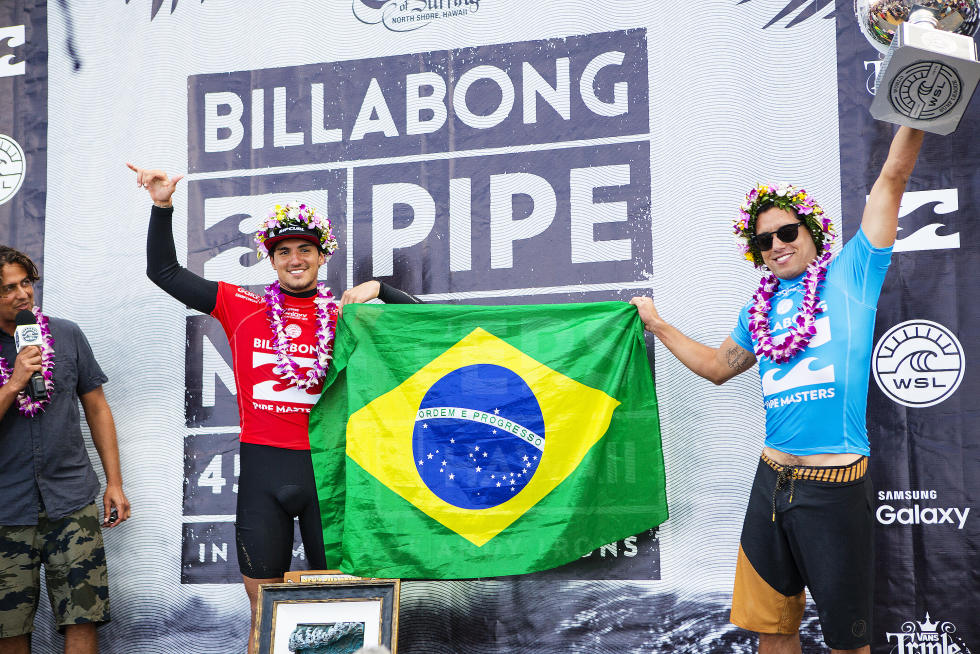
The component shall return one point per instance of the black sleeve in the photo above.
(392, 295)
(164, 270)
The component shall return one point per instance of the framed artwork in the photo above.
(332, 617)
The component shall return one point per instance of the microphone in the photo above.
(28, 333)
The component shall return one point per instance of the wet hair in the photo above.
(9, 255)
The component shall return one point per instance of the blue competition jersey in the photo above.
(816, 402)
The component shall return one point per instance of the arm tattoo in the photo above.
(738, 358)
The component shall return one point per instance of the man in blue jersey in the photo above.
(809, 520)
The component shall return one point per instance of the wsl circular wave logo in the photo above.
(918, 363)
(926, 90)
(479, 436)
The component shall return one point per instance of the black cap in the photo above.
(293, 231)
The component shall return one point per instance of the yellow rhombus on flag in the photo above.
(379, 435)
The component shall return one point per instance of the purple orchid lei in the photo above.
(326, 321)
(27, 406)
(803, 328)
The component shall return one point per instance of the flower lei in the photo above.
(803, 327)
(326, 312)
(27, 406)
(796, 200)
(295, 214)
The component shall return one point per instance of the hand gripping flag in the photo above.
(460, 441)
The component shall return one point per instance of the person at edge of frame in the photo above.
(48, 516)
(276, 480)
(809, 518)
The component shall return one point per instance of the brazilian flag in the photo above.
(463, 441)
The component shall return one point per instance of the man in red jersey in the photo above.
(281, 345)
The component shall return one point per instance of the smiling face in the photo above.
(297, 263)
(785, 260)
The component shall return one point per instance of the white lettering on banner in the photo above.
(495, 117)
(13, 36)
(214, 367)
(918, 515)
(620, 103)
(227, 265)
(558, 97)
(416, 103)
(267, 390)
(224, 111)
(281, 136)
(216, 123)
(927, 637)
(374, 104)
(908, 495)
(386, 238)
(585, 214)
(504, 230)
(875, 66)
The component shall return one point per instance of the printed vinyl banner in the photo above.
(490, 152)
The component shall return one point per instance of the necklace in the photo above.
(326, 320)
(802, 329)
(25, 404)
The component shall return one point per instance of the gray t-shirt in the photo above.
(43, 459)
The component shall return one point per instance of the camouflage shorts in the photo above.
(71, 551)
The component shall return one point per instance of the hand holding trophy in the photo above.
(930, 69)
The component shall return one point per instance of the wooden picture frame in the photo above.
(325, 610)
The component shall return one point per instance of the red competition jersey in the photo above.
(271, 411)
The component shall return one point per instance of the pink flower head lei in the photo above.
(286, 367)
(797, 201)
(27, 406)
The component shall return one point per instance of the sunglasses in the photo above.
(786, 234)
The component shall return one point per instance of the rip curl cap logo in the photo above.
(479, 435)
(918, 363)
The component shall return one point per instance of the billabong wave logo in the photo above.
(918, 363)
(408, 15)
(12, 167)
(479, 435)
(927, 637)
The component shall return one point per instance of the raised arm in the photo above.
(880, 221)
(162, 266)
(716, 364)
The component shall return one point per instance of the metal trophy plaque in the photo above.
(930, 68)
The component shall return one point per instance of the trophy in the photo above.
(930, 68)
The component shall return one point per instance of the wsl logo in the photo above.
(927, 637)
(926, 90)
(918, 363)
(12, 167)
(408, 15)
(479, 436)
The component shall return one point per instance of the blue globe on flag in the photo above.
(479, 436)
